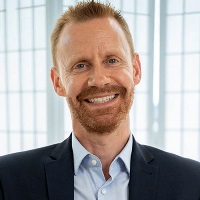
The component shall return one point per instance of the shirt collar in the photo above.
(79, 153)
(125, 154)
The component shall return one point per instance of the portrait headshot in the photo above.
(99, 100)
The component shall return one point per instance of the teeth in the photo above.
(101, 100)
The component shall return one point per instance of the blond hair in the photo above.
(82, 12)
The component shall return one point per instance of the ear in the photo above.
(56, 80)
(136, 68)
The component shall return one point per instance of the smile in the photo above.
(101, 99)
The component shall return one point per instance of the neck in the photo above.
(105, 146)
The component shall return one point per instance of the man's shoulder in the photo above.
(36, 158)
(178, 177)
(26, 158)
(172, 162)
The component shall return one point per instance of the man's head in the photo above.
(96, 71)
(85, 11)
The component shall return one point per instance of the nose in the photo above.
(99, 76)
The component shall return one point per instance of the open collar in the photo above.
(79, 153)
(60, 173)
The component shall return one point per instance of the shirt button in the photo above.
(103, 191)
(94, 162)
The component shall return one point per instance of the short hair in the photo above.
(84, 11)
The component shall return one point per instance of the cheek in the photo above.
(125, 77)
(73, 86)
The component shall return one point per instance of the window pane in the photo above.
(27, 70)
(15, 142)
(191, 73)
(41, 139)
(128, 5)
(102, 1)
(3, 143)
(116, 4)
(141, 136)
(3, 112)
(192, 40)
(2, 73)
(13, 72)
(173, 111)
(174, 34)
(192, 6)
(40, 27)
(40, 70)
(191, 111)
(25, 3)
(173, 142)
(28, 141)
(28, 112)
(69, 2)
(143, 6)
(140, 106)
(39, 2)
(2, 5)
(14, 112)
(41, 113)
(190, 149)
(173, 73)
(22, 33)
(12, 25)
(26, 31)
(2, 31)
(174, 7)
(141, 42)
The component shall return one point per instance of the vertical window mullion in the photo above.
(162, 92)
(34, 89)
(20, 78)
(182, 80)
(154, 138)
(55, 107)
(6, 79)
(199, 108)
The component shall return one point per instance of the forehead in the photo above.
(93, 25)
(101, 33)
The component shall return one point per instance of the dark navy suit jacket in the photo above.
(48, 174)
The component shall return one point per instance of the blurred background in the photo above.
(166, 110)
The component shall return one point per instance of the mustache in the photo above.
(95, 90)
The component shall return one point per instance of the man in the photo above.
(96, 70)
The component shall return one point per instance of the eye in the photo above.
(80, 66)
(112, 60)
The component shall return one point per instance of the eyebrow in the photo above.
(78, 57)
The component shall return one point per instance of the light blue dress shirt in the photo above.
(89, 180)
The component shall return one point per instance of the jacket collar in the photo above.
(144, 175)
(60, 173)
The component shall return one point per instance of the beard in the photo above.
(102, 120)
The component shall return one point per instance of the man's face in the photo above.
(97, 74)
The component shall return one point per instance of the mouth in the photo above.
(100, 100)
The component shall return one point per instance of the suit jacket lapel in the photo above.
(143, 180)
(60, 172)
